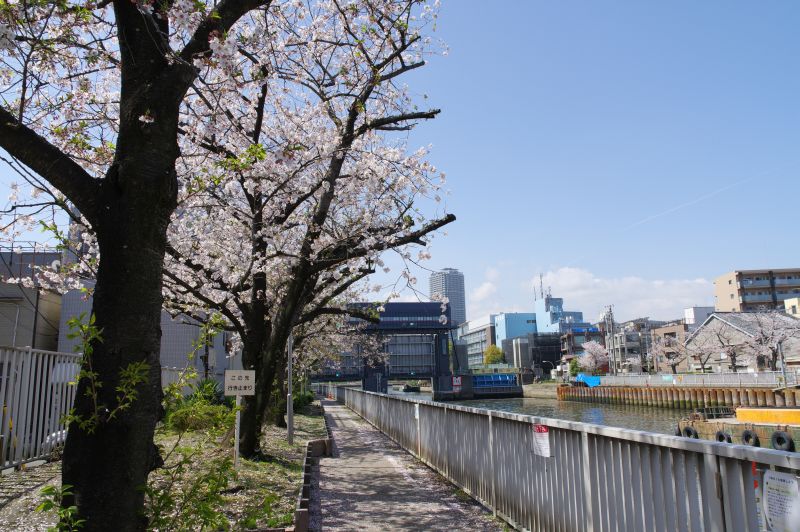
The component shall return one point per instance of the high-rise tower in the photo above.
(450, 283)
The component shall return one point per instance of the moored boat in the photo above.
(773, 428)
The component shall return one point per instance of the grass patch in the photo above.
(463, 496)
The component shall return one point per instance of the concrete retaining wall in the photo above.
(680, 397)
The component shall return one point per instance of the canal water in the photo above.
(661, 420)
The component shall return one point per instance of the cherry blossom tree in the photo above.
(770, 332)
(92, 101)
(736, 354)
(594, 357)
(669, 349)
(703, 349)
(292, 194)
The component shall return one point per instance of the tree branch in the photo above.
(219, 21)
(52, 164)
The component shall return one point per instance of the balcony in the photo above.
(787, 282)
(755, 298)
(752, 283)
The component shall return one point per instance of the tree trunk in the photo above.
(108, 468)
(252, 358)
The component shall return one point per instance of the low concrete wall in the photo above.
(592, 478)
(540, 391)
(682, 397)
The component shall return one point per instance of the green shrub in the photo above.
(302, 400)
(199, 415)
(209, 391)
(189, 494)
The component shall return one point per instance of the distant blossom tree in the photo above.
(670, 350)
(737, 355)
(770, 331)
(594, 357)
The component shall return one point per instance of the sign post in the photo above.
(239, 382)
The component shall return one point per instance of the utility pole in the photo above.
(783, 363)
(289, 404)
(609, 319)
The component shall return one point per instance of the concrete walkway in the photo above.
(373, 484)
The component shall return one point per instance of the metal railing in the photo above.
(596, 477)
(36, 391)
(765, 379)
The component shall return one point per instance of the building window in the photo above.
(731, 296)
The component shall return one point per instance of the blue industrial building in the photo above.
(513, 324)
(552, 318)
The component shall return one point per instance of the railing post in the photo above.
(21, 423)
(491, 464)
(588, 485)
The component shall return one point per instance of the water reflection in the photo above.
(661, 420)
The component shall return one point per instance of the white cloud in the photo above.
(484, 291)
(632, 297)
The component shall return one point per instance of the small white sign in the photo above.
(541, 440)
(456, 380)
(240, 382)
(781, 500)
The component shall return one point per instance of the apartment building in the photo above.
(477, 335)
(755, 290)
(450, 283)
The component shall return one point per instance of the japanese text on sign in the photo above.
(541, 440)
(240, 382)
(781, 500)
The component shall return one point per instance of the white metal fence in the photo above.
(597, 478)
(766, 379)
(36, 392)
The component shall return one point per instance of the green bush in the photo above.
(199, 415)
(302, 400)
(209, 391)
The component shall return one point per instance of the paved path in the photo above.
(373, 484)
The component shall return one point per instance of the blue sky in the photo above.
(630, 151)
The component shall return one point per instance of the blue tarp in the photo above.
(590, 381)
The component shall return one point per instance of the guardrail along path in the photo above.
(373, 484)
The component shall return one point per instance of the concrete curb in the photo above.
(314, 449)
